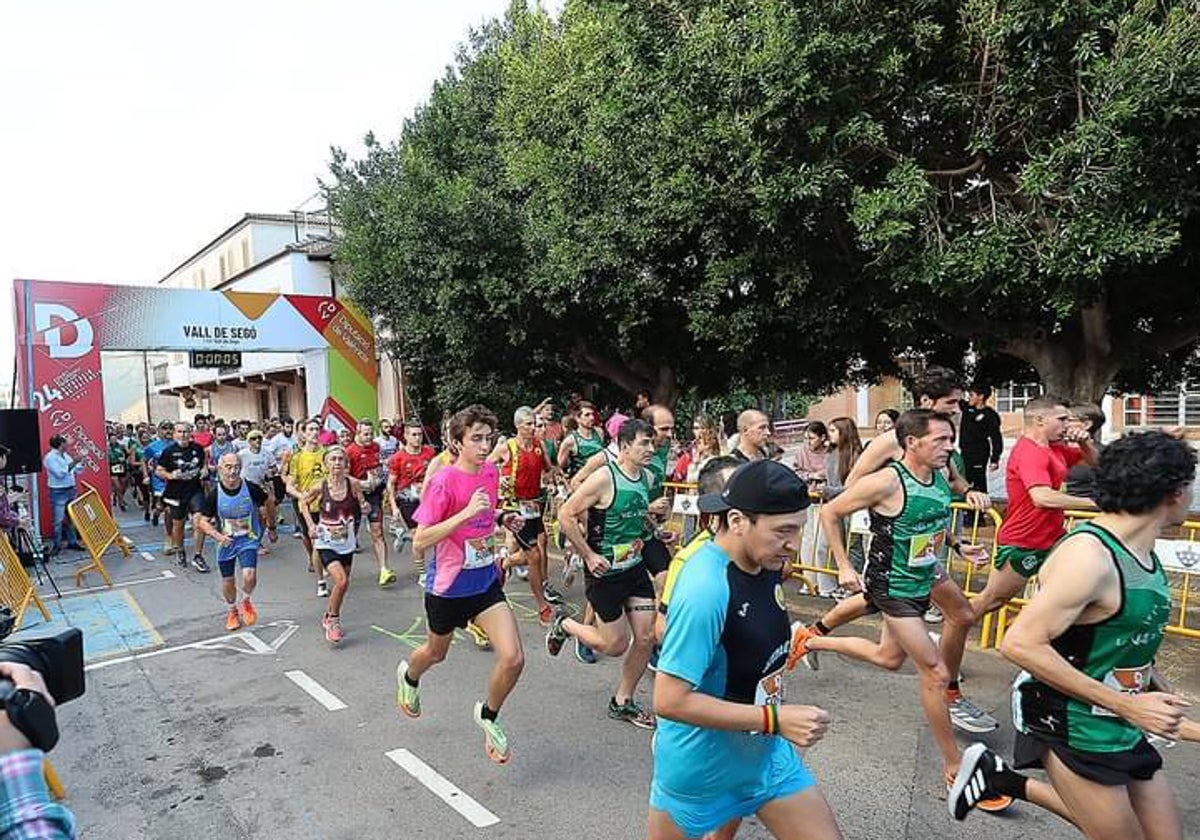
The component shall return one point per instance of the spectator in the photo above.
(706, 444)
(980, 440)
(809, 462)
(61, 470)
(885, 420)
(844, 448)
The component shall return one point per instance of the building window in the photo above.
(1133, 412)
(159, 374)
(281, 401)
(245, 252)
(264, 404)
(1165, 408)
(224, 269)
(1013, 395)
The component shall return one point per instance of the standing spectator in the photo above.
(885, 420)
(706, 444)
(845, 446)
(980, 440)
(61, 470)
(810, 460)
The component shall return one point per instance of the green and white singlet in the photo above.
(618, 532)
(658, 470)
(585, 448)
(1118, 651)
(906, 548)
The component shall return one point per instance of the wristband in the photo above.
(773, 711)
(766, 724)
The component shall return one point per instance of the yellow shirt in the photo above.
(682, 556)
(307, 467)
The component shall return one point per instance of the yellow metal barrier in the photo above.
(98, 531)
(16, 589)
(54, 783)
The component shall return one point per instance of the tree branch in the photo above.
(973, 166)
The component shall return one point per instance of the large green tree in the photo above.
(790, 194)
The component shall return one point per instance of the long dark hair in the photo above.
(849, 446)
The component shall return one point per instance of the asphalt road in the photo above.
(214, 741)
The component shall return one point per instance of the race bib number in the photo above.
(1126, 681)
(408, 494)
(627, 555)
(927, 549)
(769, 691)
(117, 469)
(236, 526)
(530, 509)
(479, 553)
(336, 533)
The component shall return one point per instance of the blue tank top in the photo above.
(237, 516)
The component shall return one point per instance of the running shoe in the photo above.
(521, 572)
(333, 630)
(249, 614)
(399, 536)
(556, 636)
(545, 615)
(322, 588)
(800, 637)
(479, 636)
(168, 548)
(232, 622)
(970, 718)
(552, 595)
(386, 576)
(933, 615)
(631, 712)
(568, 572)
(408, 697)
(973, 786)
(584, 653)
(421, 580)
(495, 741)
(198, 563)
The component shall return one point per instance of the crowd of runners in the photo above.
(705, 608)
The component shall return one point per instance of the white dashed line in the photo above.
(443, 788)
(315, 690)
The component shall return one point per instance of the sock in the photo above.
(1009, 783)
(411, 681)
(486, 712)
(820, 628)
(952, 690)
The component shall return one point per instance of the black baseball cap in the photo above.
(762, 486)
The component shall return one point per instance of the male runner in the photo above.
(257, 465)
(522, 461)
(457, 519)
(366, 465)
(304, 469)
(726, 744)
(1090, 695)
(201, 436)
(1037, 468)
(153, 451)
(936, 389)
(233, 506)
(183, 466)
(581, 443)
(909, 505)
(406, 475)
(219, 446)
(279, 447)
(616, 501)
(754, 430)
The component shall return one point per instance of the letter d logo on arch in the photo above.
(65, 333)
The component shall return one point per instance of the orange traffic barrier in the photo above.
(98, 532)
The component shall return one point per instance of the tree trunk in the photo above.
(658, 379)
(1077, 364)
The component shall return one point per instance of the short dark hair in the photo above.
(817, 428)
(1045, 402)
(915, 423)
(468, 417)
(935, 383)
(712, 476)
(890, 412)
(982, 390)
(56, 441)
(630, 429)
(1139, 471)
(413, 423)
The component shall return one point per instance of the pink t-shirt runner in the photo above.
(465, 563)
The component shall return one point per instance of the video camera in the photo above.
(58, 657)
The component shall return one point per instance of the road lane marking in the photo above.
(315, 690)
(165, 574)
(249, 643)
(443, 788)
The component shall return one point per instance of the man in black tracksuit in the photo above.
(980, 440)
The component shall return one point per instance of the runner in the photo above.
(1037, 468)
(219, 446)
(137, 470)
(118, 466)
(183, 465)
(257, 464)
(388, 444)
(936, 389)
(201, 436)
(1090, 695)
(457, 519)
(337, 501)
(233, 506)
(406, 475)
(304, 468)
(909, 505)
(581, 443)
(616, 502)
(152, 453)
(523, 461)
(279, 447)
(367, 467)
(719, 690)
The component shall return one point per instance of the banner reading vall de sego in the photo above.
(62, 327)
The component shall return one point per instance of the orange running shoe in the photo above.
(249, 614)
(232, 622)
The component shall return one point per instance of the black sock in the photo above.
(821, 628)
(410, 680)
(486, 712)
(952, 685)
(1009, 782)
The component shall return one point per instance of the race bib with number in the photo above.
(627, 555)
(1126, 681)
(769, 691)
(479, 553)
(237, 526)
(530, 509)
(927, 549)
(117, 469)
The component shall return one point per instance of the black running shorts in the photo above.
(445, 614)
(408, 510)
(527, 537)
(181, 508)
(609, 595)
(1110, 769)
(656, 556)
(878, 600)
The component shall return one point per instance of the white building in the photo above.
(261, 252)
